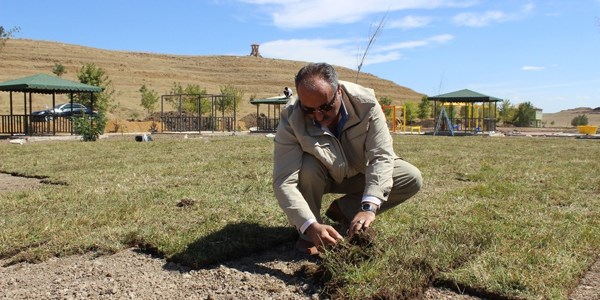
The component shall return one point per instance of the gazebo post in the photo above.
(25, 122)
(257, 116)
(495, 111)
(71, 120)
(53, 120)
(10, 119)
(30, 110)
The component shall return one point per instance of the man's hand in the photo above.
(322, 235)
(362, 220)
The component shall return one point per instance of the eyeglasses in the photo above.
(323, 108)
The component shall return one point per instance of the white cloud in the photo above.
(317, 13)
(342, 52)
(492, 16)
(409, 22)
(338, 52)
(438, 39)
(527, 8)
(479, 20)
(532, 68)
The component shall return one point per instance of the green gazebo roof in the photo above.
(464, 96)
(272, 100)
(46, 84)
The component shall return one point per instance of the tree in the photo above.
(149, 99)
(5, 35)
(424, 110)
(232, 96)
(59, 69)
(411, 112)
(386, 101)
(96, 76)
(91, 127)
(506, 112)
(192, 96)
(580, 120)
(524, 115)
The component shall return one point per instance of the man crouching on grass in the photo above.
(334, 139)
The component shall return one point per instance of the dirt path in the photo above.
(275, 274)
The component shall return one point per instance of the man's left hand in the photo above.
(362, 220)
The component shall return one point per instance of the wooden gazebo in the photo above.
(23, 124)
(477, 112)
(269, 122)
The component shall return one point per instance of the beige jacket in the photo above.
(364, 146)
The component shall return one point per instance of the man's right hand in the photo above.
(321, 234)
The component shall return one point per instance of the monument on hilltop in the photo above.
(255, 50)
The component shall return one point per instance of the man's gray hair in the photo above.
(307, 75)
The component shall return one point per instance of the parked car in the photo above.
(62, 110)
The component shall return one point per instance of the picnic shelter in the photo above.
(23, 123)
(466, 110)
(268, 122)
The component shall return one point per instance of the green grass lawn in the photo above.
(517, 217)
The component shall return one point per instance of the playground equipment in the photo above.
(443, 123)
(392, 115)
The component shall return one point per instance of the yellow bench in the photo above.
(415, 128)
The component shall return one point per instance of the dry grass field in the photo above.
(262, 77)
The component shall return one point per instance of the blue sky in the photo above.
(544, 52)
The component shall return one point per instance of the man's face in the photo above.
(322, 103)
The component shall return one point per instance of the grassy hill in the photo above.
(262, 77)
(563, 118)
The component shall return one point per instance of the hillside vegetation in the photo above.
(261, 77)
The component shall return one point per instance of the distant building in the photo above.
(537, 121)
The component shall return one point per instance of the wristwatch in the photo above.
(368, 206)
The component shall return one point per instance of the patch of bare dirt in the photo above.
(129, 126)
(10, 183)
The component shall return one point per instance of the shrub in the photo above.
(579, 120)
(90, 128)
